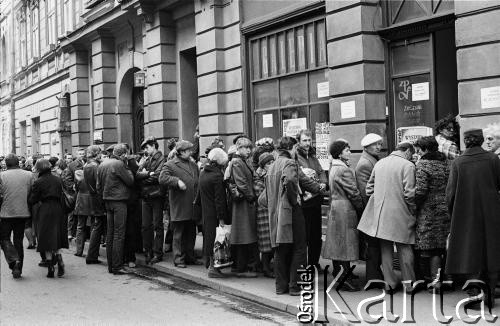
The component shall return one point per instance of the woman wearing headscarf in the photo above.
(212, 197)
(346, 205)
(433, 220)
(47, 191)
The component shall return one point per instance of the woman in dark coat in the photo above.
(433, 221)
(212, 197)
(473, 199)
(51, 226)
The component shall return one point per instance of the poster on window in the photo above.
(412, 134)
(322, 141)
(291, 127)
(413, 107)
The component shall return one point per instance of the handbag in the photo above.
(222, 247)
(68, 202)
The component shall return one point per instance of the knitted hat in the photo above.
(218, 156)
(265, 158)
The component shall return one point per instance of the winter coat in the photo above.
(244, 223)
(346, 205)
(51, 226)
(15, 185)
(263, 231)
(68, 175)
(150, 186)
(364, 169)
(181, 201)
(473, 200)
(82, 205)
(307, 159)
(390, 212)
(90, 176)
(281, 198)
(114, 180)
(212, 197)
(433, 220)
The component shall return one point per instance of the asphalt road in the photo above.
(89, 295)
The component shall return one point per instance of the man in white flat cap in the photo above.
(372, 144)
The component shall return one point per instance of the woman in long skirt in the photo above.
(51, 226)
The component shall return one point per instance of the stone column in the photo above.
(478, 61)
(219, 68)
(79, 97)
(356, 62)
(103, 86)
(160, 96)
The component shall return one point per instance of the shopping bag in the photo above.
(222, 247)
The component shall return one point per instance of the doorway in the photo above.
(188, 93)
(65, 124)
(137, 117)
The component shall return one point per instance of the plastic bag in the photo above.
(222, 247)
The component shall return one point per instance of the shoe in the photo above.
(280, 292)
(131, 264)
(120, 271)
(168, 248)
(180, 265)
(43, 263)
(60, 265)
(16, 270)
(32, 246)
(215, 273)
(51, 270)
(156, 259)
(247, 275)
(295, 293)
(350, 286)
(92, 262)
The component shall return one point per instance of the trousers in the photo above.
(117, 218)
(152, 226)
(80, 233)
(184, 238)
(313, 219)
(406, 260)
(12, 251)
(95, 237)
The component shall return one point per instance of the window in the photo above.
(287, 67)
(35, 135)
(22, 137)
(51, 21)
(78, 9)
(22, 37)
(35, 36)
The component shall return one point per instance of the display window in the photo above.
(289, 80)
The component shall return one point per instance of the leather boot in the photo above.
(60, 265)
(266, 264)
(50, 267)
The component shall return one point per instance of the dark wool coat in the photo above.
(212, 197)
(364, 169)
(150, 186)
(433, 220)
(473, 199)
(308, 159)
(51, 226)
(345, 207)
(181, 201)
(244, 223)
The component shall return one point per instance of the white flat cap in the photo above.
(370, 139)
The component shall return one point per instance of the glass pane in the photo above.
(321, 42)
(263, 56)
(267, 124)
(311, 46)
(291, 50)
(272, 56)
(301, 55)
(408, 110)
(410, 10)
(293, 120)
(315, 78)
(282, 53)
(266, 94)
(255, 60)
(410, 58)
(293, 90)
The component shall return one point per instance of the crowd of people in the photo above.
(433, 205)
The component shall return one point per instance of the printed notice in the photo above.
(267, 120)
(412, 134)
(420, 92)
(490, 97)
(323, 89)
(348, 109)
(291, 127)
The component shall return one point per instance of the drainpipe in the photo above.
(12, 72)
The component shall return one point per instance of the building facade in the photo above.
(75, 73)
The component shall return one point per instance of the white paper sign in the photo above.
(348, 109)
(323, 89)
(490, 97)
(420, 92)
(412, 134)
(291, 127)
(267, 120)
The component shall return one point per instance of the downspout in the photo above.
(12, 89)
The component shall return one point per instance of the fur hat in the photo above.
(218, 156)
(264, 158)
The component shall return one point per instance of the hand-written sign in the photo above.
(407, 110)
(412, 134)
(322, 141)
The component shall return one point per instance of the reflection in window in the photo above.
(320, 33)
(293, 90)
(310, 45)
(301, 56)
(291, 50)
(266, 94)
(272, 55)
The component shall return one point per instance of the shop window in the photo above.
(287, 67)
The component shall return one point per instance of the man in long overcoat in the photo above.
(473, 199)
(369, 246)
(390, 212)
(180, 175)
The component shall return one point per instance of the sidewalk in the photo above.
(262, 291)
